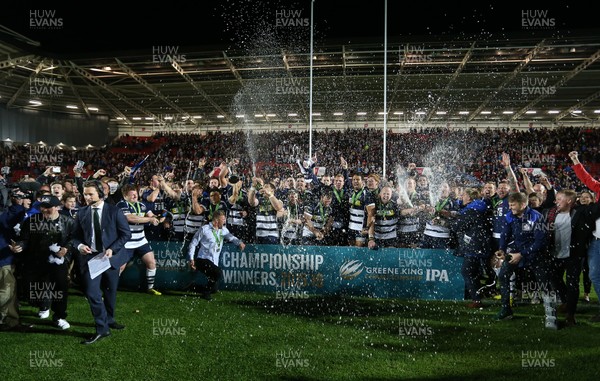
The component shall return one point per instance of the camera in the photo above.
(5, 171)
(22, 195)
(79, 165)
(55, 169)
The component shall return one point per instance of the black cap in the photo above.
(49, 201)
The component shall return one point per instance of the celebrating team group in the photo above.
(540, 238)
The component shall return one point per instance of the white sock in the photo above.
(150, 274)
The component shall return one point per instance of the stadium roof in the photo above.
(542, 73)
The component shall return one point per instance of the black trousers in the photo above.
(585, 270)
(213, 273)
(471, 272)
(101, 293)
(544, 281)
(569, 290)
(48, 287)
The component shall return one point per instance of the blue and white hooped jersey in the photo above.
(386, 220)
(266, 219)
(138, 238)
(319, 215)
(178, 210)
(359, 201)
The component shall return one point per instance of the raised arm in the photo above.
(550, 193)
(510, 174)
(78, 180)
(233, 199)
(199, 172)
(124, 177)
(45, 178)
(584, 176)
(256, 182)
(275, 202)
(168, 190)
(527, 181)
(151, 197)
(197, 207)
(347, 179)
(223, 174)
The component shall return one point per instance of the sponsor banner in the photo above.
(298, 271)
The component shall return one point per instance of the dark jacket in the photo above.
(115, 233)
(8, 220)
(472, 230)
(583, 223)
(38, 233)
(497, 209)
(525, 235)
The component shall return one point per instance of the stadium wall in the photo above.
(30, 126)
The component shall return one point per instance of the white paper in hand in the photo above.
(98, 264)
(54, 248)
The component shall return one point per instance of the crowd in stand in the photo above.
(493, 197)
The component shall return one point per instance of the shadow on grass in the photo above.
(451, 323)
(32, 324)
(48, 328)
(50, 324)
(381, 315)
(327, 306)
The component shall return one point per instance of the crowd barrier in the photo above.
(299, 271)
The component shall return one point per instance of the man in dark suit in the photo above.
(101, 227)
